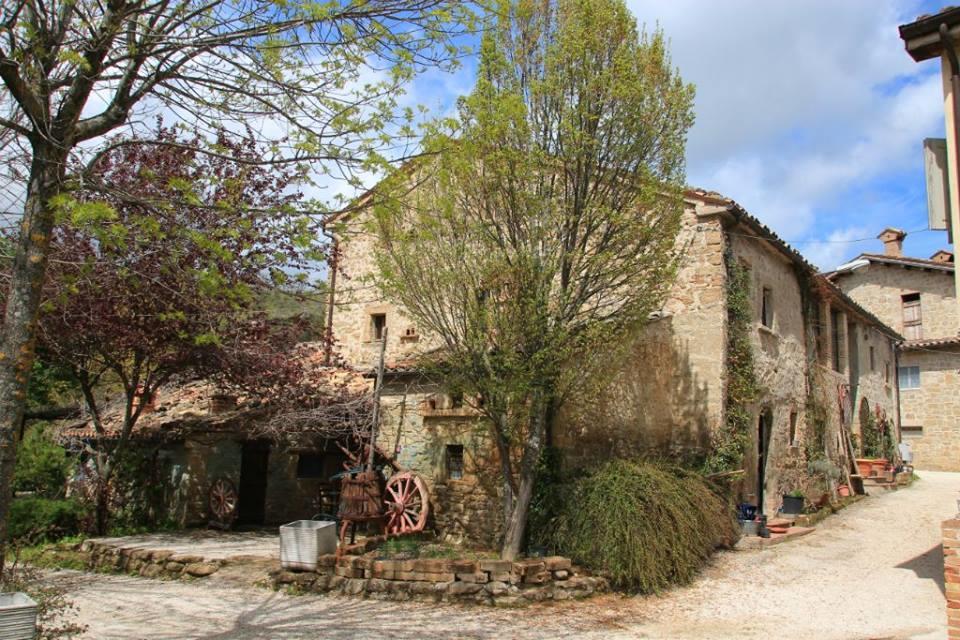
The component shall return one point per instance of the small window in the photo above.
(310, 465)
(454, 461)
(912, 318)
(911, 432)
(873, 360)
(886, 372)
(378, 322)
(909, 377)
(456, 400)
(793, 428)
(766, 308)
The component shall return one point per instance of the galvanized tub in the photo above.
(18, 617)
(303, 541)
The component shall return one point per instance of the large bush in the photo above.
(34, 519)
(644, 525)
(42, 464)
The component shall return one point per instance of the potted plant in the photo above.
(793, 502)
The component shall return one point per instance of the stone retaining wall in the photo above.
(490, 582)
(146, 562)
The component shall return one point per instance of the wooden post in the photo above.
(376, 401)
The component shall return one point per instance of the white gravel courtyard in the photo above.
(872, 571)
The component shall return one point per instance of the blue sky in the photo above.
(810, 114)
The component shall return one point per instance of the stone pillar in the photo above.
(951, 575)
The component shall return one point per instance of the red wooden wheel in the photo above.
(223, 500)
(407, 503)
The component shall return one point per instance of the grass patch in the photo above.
(412, 547)
(645, 526)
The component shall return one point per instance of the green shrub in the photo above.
(34, 520)
(42, 464)
(644, 525)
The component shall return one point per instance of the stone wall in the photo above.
(878, 287)
(663, 392)
(491, 582)
(780, 365)
(419, 424)
(357, 299)
(934, 408)
(145, 562)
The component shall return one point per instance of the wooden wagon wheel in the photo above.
(407, 503)
(223, 500)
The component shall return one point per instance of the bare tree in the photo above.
(316, 81)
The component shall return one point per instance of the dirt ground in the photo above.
(874, 571)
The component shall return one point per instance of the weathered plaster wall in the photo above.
(357, 298)
(879, 287)
(466, 509)
(664, 390)
(780, 361)
(205, 463)
(935, 407)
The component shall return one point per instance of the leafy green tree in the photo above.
(314, 81)
(42, 466)
(543, 230)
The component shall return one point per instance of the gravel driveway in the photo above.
(872, 571)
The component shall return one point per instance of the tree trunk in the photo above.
(516, 524)
(22, 306)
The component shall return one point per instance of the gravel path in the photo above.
(872, 571)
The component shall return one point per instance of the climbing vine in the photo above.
(730, 442)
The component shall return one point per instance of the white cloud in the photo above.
(830, 252)
(799, 102)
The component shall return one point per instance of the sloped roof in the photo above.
(901, 261)
(185, 406)
(931, 343)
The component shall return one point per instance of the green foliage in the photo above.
(542, 228)
(137, 491)
(43, 519)
(730, 442)
(42, 465)
(549, 494)
(646, 526)
(876, 434)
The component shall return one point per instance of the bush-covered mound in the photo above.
(644, 525)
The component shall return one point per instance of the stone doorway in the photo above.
(764, 430)
(254, 459)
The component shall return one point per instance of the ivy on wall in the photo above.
(730, 442)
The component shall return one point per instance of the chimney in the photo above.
(892, 242)
(943, 256)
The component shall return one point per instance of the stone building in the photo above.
(917, 297)
(194, 437)
(813, 347)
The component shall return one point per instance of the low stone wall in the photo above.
(146, 562)
(491, 582)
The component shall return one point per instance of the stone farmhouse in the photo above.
(917, 297)
(817, 355)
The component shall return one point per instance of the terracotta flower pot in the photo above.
(864, 465)
(844, 491)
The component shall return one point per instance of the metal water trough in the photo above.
(18, 617)
(303, 541)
